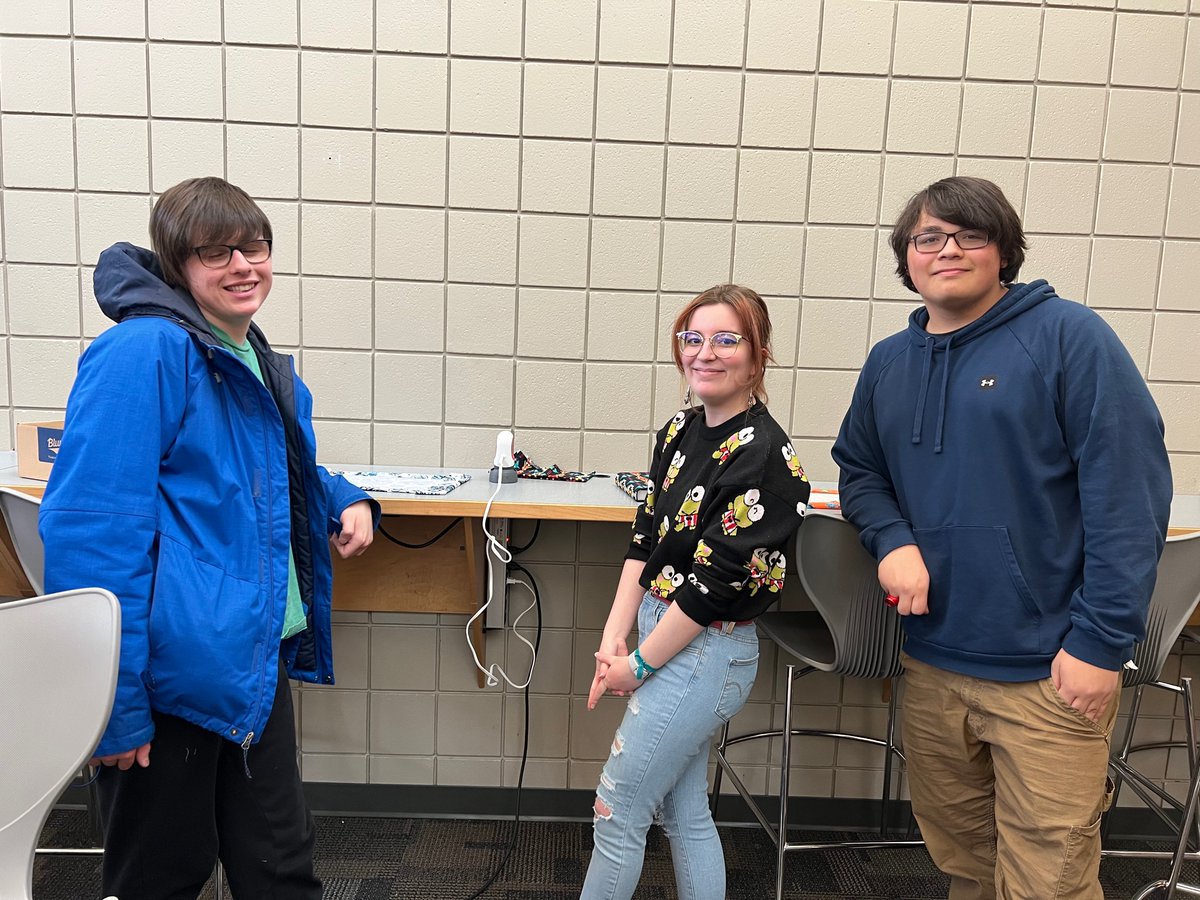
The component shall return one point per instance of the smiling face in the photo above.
(958, 286)
(722, 385)
(229, 297)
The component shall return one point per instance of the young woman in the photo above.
(706, 558)
(188, 486)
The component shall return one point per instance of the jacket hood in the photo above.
(1018, 299)
(128, 282)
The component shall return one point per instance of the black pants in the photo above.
(166, 825)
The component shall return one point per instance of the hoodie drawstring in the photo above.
(941, 422)
(920, 414)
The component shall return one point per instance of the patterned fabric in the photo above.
(526, 469)
(425, 483)
(635, 484)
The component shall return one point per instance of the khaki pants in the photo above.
(1008, 783)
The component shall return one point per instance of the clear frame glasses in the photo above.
(216, 256)
(724, 343)
(934, 241)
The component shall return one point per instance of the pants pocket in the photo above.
(739, 679)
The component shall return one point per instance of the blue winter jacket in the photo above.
(180, 485)
(1024, 456)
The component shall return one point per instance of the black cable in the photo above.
(433, 540)
(537, 643)
(537, 526)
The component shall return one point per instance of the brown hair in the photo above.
(755, 321)
(201, 211)
(969, 203)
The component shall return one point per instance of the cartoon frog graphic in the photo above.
(677, 462)
(758, 569)
(687, 517)
(793, 462)
(696, 583)
(731, 443)
(674, 428)
(743, 511)
(666, 582)
(702, 554)
(778, 568)
(648, 503)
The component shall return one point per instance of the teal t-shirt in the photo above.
(295, 620)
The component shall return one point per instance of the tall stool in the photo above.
(852, 633)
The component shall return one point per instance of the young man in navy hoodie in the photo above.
(1005, 464)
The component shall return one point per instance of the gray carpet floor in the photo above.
(444, 859)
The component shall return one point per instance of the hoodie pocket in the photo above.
(979, 601)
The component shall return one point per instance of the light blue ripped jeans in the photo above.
(657, 770)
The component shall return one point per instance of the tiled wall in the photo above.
(488, 211)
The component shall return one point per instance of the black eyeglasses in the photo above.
(724, 343)
(967, 239)
(216, 256)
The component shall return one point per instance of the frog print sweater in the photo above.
(717, 524)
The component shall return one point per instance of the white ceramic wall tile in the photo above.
(559, 407)
(409, 316)
(556, 176)
(1068, 122)
(778, 110)
(709, 32)
(768, 258)
(695, 255)
(52, 17)
(1124, 273)
(911, 128)
(1062, 261)
(37, 75)
(783, 34)
(335, 239)
(336, 312)
(485, 27)
(39, 227)
(1183, 213)
(43, 301)
(850, 113)
(705, 106)
(261, 21)
(393, 401)
(558, 100)
(346, 25)
(700, 182)
(772, 185)
(1179, 276)
(1131, 199)
(631, 103)
(1003, 42)
(185, 80)
(931, 39)
(635, 30)
(560, 29)
(482, 247)
(413, 26)
(844, 188)
(112, 154)
(857, 36)
(480, 319)
(485, 96)
(1076, 45)
(1141, 125)
(264, 160)
(105, 219)
(484, 172)
(182, 149)
(262, 84)
(553, 251)
(336, 164)
(625, 253)
(996, 119)
(566, 309)
(165, 19)
(336, 89)
(1061, 197)
(409, 243)
(1148, 50)
(110, 79)
(38, 151)
(410, 169)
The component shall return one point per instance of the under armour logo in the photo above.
(987, 382)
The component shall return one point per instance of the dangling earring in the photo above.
(687, 396)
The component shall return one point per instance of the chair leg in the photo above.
(888, 751)
(219, 881)
(1123, 754)
(716, 789)
(95, 826)
(1187, 822)
(784, 773)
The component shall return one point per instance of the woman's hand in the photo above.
(358, 530)
(610, 648)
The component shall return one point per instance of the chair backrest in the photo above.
(20, 511)
(1176, 594)
(58, 671)
(841, 578)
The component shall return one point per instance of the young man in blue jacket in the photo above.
(1005, 464)
(188, 486)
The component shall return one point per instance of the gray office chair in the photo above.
(58, 665)
(852, 633)
(1176, 596)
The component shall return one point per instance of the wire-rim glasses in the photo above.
(724, 343)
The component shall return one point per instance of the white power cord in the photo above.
(497, 551)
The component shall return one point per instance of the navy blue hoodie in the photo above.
(996, 449)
